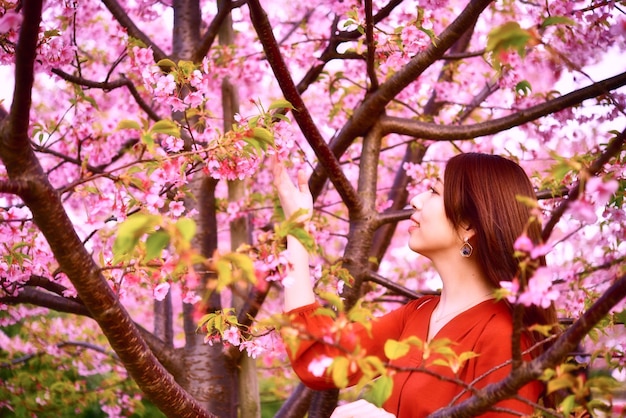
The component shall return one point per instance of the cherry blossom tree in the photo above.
(142, 251)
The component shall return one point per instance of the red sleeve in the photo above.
(312, 337)
(495, 350)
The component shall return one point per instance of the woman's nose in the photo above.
(416, 202)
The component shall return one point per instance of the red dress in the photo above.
(484, 329)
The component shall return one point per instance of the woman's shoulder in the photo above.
(426, 302)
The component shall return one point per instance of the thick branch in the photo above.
(391, 285)
(110, 85)
(373, 106)
(454, 132)
(300, 113)
(25, 54)
(211, 33)
(126, 22)
(371, 46)
(16, 187)
(335, 39)
(33, 296)
(298, 403)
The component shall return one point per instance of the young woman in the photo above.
(466, 224)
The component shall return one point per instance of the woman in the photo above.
(466, 224)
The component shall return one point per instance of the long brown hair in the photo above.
(481, 190)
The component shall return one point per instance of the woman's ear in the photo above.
(466, 231)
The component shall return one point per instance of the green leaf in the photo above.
(545, 330)
(186, 67)
(523, 88)
(148, 139)
(558, 383)
(244, 263)
(166, 63)
(187, 228)
(304, 237)
(396, 349)
(167, 127)
(263, 135)
(557, 20)
(334, 299)
(258, 146)
(156, 243)
(281, 104)
(620, 317)
(205, 320)
(380, 391)
(340, 372)
(568, 405)
(373, 366)
(361, 315)
(325, 312)
(224, 273)
(508, 36)
(128, 124)
(130, 231)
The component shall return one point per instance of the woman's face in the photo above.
(431, 233)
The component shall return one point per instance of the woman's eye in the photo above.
(432, 190)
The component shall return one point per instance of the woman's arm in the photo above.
(299, 290)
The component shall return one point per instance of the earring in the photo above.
(466, 249)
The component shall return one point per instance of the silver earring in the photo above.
(466, 249)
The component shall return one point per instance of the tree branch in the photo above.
(374, 105)
(16, 187)
(438, 132)
(374, 277)
(126, 22)
(532, 370)
(371, 46)
(81, 344)
(209, 36)
(335, 39)
(33, 296)
(298, 403)
(25, 54)
(30, 295)
(110, 85)
(613, 148)
(300, 113)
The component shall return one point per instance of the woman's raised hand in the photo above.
(360, 409)
(293, 197)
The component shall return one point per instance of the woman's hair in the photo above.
(481, 192)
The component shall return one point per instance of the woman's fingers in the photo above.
(303, 183)
(360, 409)
(293, 197)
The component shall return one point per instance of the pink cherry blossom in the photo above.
(523, 243)
(10, 21)
(539, 291)
(512, 289)
(254, 348)
(600, 189)
(232, 336)
(583, 211)
(161, 290)
(177, 208)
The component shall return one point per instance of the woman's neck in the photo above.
(463, 283)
